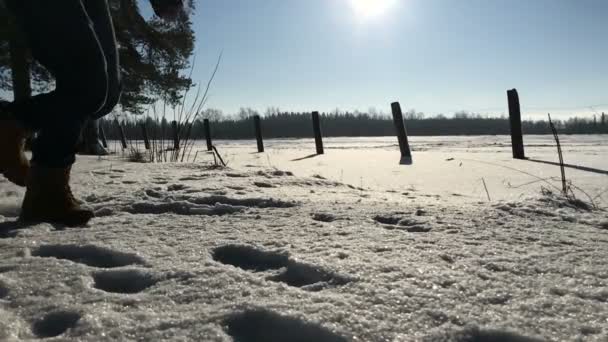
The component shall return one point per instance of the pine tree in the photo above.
(153, 54)
(594, 122)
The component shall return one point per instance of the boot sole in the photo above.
(76, 221)
(20, 181)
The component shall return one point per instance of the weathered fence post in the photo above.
(258, 132)
(404, 145)
(102, 135)
(316, 125)
(175, 132)
(123, 138)
(517, 140)
(144, 133)
(207, 130)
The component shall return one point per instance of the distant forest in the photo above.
(299, 125)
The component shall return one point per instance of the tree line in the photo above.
(299, 125)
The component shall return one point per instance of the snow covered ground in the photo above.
(442, 165)
(348, 246)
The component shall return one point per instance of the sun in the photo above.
(368, 9)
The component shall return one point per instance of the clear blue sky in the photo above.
(437, 56)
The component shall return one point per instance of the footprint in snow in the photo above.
(290, 272)
(263, 185)
(479, 335)
(387, 219)
(177, 187)
(4, 291)
(279, 173)
(55, 323)
(250, 258)
(236, 175)
(125, 281)
(324, 217)
(190, 178)
(9, 233)
(274, 173)
(89, 255)
(4, 269)
(154, 193)
(264, 325)
(403, 223)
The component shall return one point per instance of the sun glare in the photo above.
(368, 9)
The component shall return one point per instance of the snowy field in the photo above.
(445, 166)
(349, 246)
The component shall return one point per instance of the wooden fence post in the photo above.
(258, 132)
(316, 125)
(175, 132)
(404, 145)
(102, 135)
(517, 140)
(144, 133)
(207, 130)
(123, 138)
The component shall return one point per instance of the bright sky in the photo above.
(437, 56)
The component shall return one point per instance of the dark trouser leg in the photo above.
(62, 38)
(99, 12)
(100, 15)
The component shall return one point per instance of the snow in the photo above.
(446, 166)
(272, 249)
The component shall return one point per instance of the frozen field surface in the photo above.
(274, 248)
(442, 165)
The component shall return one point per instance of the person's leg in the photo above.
(62, 38)
(14, 164)
(99, 13)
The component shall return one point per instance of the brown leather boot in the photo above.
(14, 165)
(49, 198)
